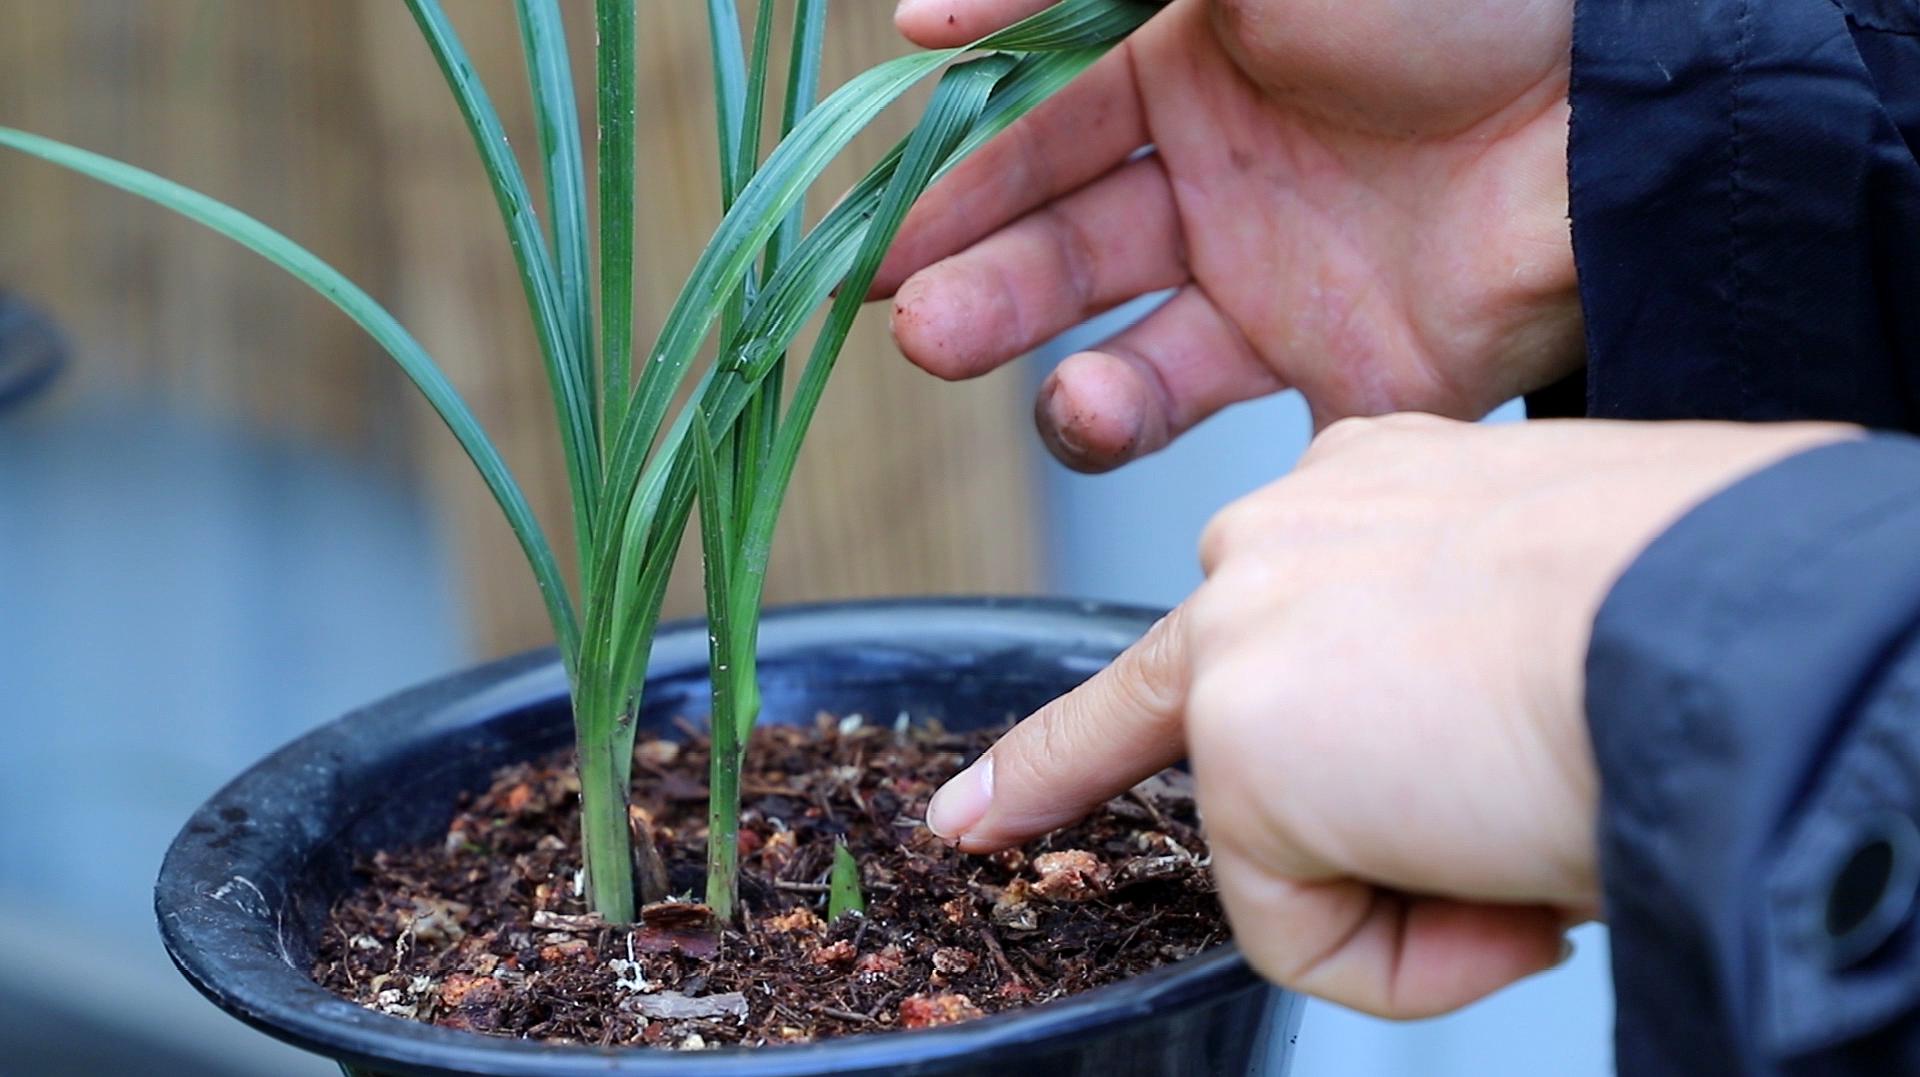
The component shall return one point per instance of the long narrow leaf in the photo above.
(779, 185)
(957, 102)
(803, 89)
(729, 90)
(543, 38)
(746, 446)
(614, 23)
(823, 259)
(413, 360)
(716, 546)
(775, 189)
(663, 490)
(738, 165)
(566, 376)
(820, 263)
(762, 418)
(1072, 24)
(754, 101)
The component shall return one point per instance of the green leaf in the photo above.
(716, 508)
(843, 885)
(729, 90)
(745, 157)
(803, 89)
(803, 282)
(1071, 24)
(543, 39)
(413, 360)
(775, 189)
(614, 23)
(784, 306)
(781, 182)
(754, 101)
(957, 102)
(567, 376)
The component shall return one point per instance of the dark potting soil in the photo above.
(487, 931)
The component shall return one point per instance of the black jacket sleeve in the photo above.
(1746, 218)
(1754, 701)
(1746, 208)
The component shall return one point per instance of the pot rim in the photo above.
(240, 963)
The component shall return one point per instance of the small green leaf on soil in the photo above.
(843, 888)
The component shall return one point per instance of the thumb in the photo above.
(1123, 725)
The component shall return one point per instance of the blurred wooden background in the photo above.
(328, 120)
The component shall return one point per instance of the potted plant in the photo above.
(591, 939)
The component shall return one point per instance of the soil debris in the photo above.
(487, 930)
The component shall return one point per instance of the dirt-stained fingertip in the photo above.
(1094, 414)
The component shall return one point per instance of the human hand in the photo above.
(1379, 689)
(1365, 201)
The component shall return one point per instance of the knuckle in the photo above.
(1211, 706)
(1344, 432)
(1030, 155)
(1074, 250)
(1223, 701)
(1244, 24)
(1218, 602)
(1361, 434)
(1413, 422)
(1215, 543)
(1238, 601)
(1231, 531)
(1202, 611)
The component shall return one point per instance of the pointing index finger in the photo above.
(1123, 725)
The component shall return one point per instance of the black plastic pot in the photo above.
(246, 885)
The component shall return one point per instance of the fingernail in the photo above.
(1055, 425)
(962, 802)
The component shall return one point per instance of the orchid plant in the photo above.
(646, 437)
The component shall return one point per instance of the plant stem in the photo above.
(723, 820)
(606, 842)
(723, 770)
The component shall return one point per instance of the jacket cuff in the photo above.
(1751, 695)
